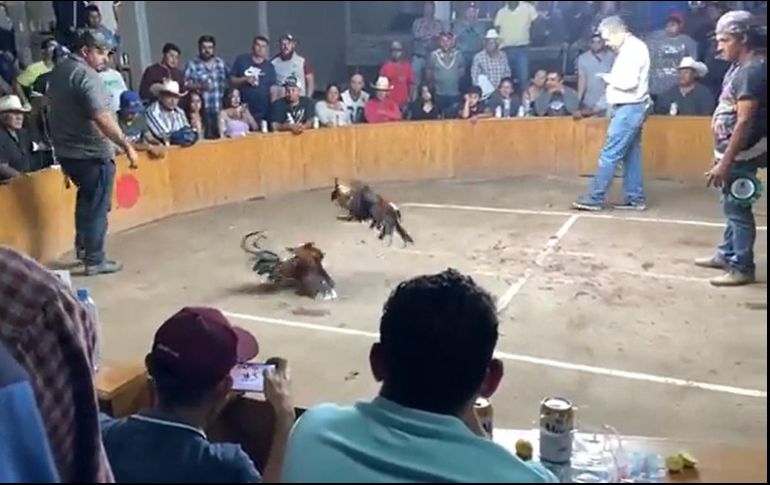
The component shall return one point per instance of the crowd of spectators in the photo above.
(462, 70)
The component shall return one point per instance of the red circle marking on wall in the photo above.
(127, 191)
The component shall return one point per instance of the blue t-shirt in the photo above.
(152, 448)
(25, 456)
(256, 97)
(381, 441)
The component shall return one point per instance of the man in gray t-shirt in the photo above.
(82, 125)
(590, 64)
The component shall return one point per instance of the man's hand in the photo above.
(297, 129)
(253, 80)
(278, 390)
(132, 156)
(717, 176)
(156, 151)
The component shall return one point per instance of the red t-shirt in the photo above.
(401, 78)
(377, 111)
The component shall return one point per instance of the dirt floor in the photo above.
(606, 310)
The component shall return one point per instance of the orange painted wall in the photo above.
(36, 212)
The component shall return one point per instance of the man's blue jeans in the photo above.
(737, 248)
(518, 61)
(94, 179)
(623, 145)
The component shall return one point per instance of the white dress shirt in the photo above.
(629, 80)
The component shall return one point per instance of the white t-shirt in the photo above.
(115, 85)
(355, 107)
(332, 117)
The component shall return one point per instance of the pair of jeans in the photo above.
(449, 105)
(418, 69)
(518, 61)
(94, 178)
(211, 125)
(622, 146)
(737, 248)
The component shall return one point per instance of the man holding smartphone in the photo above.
(190, 364)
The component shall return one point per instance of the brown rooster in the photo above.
(363, 204)
(303, 269)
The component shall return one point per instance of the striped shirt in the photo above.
(162, 122)
(216, 74)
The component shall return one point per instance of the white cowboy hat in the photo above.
(492, 35)
(689, 63)
(382, 84)
(167, 87)
(12, 103)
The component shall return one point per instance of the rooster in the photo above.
(303, 269)
(363, 204)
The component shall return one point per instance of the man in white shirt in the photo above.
(629, 97)
(354, 98)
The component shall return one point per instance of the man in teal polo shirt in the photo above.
(434, 359)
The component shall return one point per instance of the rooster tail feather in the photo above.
(402, 232)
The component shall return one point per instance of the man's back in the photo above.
(152, 449)
(77, 93)
(380, 441)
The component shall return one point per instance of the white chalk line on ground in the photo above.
(499, 210)
(587, 369)
(548, 249)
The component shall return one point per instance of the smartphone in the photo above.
(249, 377)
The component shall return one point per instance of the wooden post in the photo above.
(262, 20)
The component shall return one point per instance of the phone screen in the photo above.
(249, 377)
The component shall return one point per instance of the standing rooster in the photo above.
(364, 204)
(303, 269)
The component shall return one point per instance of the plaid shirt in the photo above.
(217, 75)
(50, 334)
(495, 67)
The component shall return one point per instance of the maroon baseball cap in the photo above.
(199, 345)
(677, 17)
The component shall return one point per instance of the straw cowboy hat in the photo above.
(690, 63)
(382, 84)
(12, 103)
(167, 87)
(492, 35)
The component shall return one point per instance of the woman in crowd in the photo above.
(504, 103)
(331, 111)
(235, 119)
(425, 107)
(192, 104)
(530, 94)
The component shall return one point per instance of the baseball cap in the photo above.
(291, 82)
(287, 36)
(198, 346)
(676, 16)
(130, 102)
(90, 38)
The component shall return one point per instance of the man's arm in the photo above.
(475, 70)
(707, 102)
(571, 100)
(7, 172)
(190, 81)
(278, 394)
(309, 114)
(106, 123)
(541, 103)
(582, 80)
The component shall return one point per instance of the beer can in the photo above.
(485, 414)
(673, 110)
(557, 424)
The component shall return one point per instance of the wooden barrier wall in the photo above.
(37, 211)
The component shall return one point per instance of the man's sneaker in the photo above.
(714, 262)
(80, 254)
(733, 277)
(630, 206)
(106, 267)
(585, 205)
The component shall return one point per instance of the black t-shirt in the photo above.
(301, 113)
(742, 82)
(477, 110)
(417, 113)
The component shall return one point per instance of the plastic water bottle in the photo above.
(263, 126)
(522, 112)
(316, 122)
(84, 297)
(674, 109)
(498, 112)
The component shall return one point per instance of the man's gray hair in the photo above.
(613, 25)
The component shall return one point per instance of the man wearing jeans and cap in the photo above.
(82, 126)
(739, 125)
(628, 95)
(190, 363)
